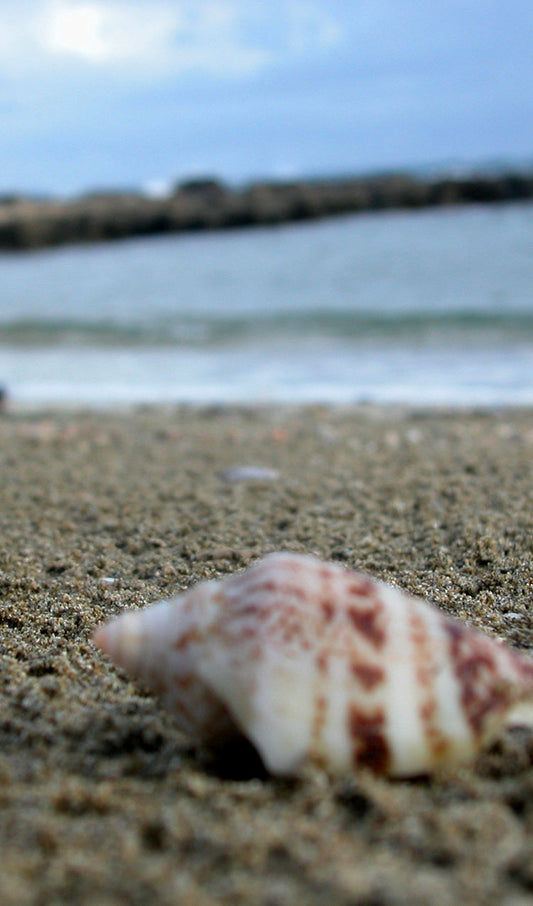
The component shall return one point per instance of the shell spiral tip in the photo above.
(100, 639)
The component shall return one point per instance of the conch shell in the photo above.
(311, 661)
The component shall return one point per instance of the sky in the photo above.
(128, 94)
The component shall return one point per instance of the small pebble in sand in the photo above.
(314, 662)
(237, 474)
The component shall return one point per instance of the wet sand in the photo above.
(102, 801)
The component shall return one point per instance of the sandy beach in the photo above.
(102, 801)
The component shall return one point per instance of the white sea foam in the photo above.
(429, 307)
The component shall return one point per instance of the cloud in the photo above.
(103, 33)
(221, 38)
(161, 36)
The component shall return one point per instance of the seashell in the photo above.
(311, 661)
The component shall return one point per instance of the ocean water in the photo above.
(427, 307)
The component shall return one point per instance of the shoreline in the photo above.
(102, 799)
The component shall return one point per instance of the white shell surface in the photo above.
(309, 660)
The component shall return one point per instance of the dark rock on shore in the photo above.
(208, 204)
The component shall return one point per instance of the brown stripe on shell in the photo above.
(369, 622)
(367, 730)
(328, 594)
(424, 668)
(367, 675)
(365, 610)
(326, 571)
(322, 662)
(271, 606)
(193, 635)
(289, 630)
(255, 592)
(361, 586)
(319, 717)
(482, 689)
(252, 587)
(321, 698)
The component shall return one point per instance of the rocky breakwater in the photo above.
(207, 204)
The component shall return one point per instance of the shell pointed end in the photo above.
(100, 639)
(120, 640)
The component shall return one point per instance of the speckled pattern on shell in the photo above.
(310, 660)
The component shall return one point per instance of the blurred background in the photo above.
(373, 160)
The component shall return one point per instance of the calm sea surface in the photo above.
(430, 307)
